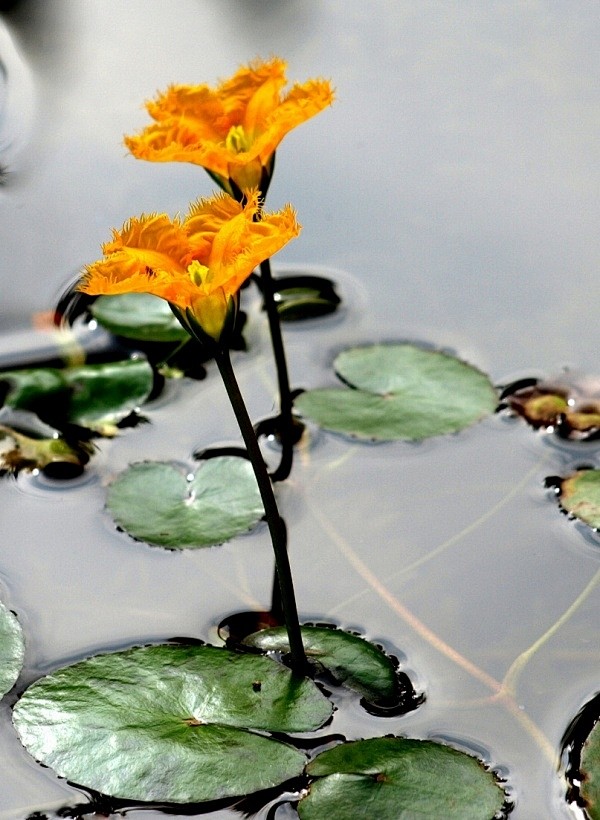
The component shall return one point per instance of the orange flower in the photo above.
(231, 130)
(199, 264)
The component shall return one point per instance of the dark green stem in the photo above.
(286, 419)
(274, 521)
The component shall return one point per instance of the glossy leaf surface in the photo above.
(400, 392)
(97, 396)
(390, 778)
(304, 297)
(349, 659)
(157, 503)
(170, 722)
(12, 649)
(138, 316)
(104, 394)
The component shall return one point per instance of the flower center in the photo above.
(198, 273)
(237, 140)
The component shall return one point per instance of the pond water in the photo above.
(452, 193)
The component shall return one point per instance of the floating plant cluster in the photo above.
(185, 722)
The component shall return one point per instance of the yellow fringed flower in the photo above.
(199, 264)
(231, 130)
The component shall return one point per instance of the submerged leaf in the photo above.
(156, 503)
(580, 496)
(393, 777)
(400, 392)
(349, 659)
(138, 316)
(170, 723)
(12, 649)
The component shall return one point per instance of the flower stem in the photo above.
(274, 520)
(286, 421)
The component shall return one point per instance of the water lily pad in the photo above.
(304, 296)
(97, 396)
(170, 723)
(580, 496)
(25, 388)
(12, 649)
(590, 773)
(391, 777)
(400, 392)
(138, 316)
(158, 503)
(104, 394)
(349, 659)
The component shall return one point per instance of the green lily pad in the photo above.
(400, 392)
(170, 723)
(157, 503)
(580, 496)
(590, 773)
(349, 659)
(392, 777)
(104, 394)
(27, 387)
(304, 296)
(96, 396)
(12, 649)
(138, 316)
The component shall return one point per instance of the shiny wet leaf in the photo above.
(400, 391)
(138, 316)
(304, 297)
(158, 503)
(170, 723)
(96, 396)
(104, 394)
(12, 649)
(392, 777)
(349, 659)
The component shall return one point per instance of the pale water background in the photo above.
(453, 192)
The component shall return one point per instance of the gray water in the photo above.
(452, 191)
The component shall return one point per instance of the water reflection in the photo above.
(456, 179)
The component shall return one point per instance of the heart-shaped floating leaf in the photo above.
(580, 496)
(590, 773)
(169, 723)
(401, 392)
(391, 777)
(138, 316)
(349, 659)
(156, 503)
(12, 649)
